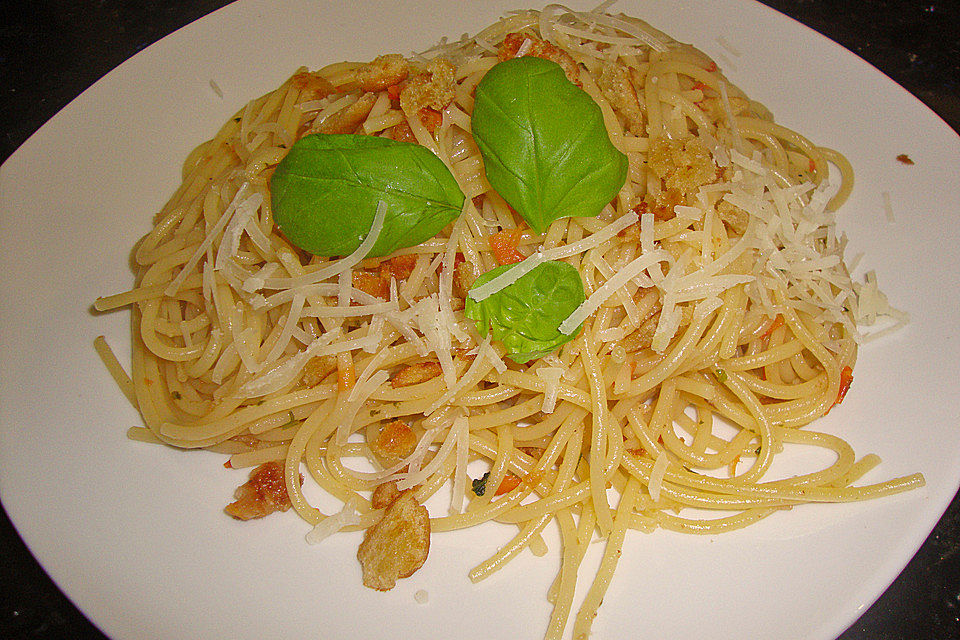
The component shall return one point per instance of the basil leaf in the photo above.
(526, 315)
(326, 190)
(479, 485)
(544, 145)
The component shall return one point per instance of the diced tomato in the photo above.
(430, 118)
(508, 484)
(505, 246)
(373, 283)
(399, 267)
(846, 378)
(403, 133)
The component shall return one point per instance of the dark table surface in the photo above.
(51, 50)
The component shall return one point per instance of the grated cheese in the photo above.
(283, 373)
(508, 277)
(420, 475)
(443, 328)
(207, 242)
(527, 265)
(887, 206)
(376, 310)
(633, 270)
(549, 22)
(871, 305)
(329, 289)
(472, 376)
(551, 386)
(247, 341)
(332, 524)
(344, 289)
(731, 119)
(594, 240)
(489, 353)
(230, 243)
(336, 267)
(255, 281)
(359, 394)
(289, 324)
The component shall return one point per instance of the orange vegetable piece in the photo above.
(508, 484)
(846, 378)
(431, 118)
(505, 246)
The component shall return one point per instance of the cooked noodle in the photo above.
(720, 319)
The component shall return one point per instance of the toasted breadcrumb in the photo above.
(382, 72)
(264, 493)
(397, 545)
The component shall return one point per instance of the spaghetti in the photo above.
(719, 321)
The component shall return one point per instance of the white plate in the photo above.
(134, 534)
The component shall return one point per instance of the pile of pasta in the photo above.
(720, 317)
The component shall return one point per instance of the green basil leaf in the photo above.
(544, 145)
(526, 315)
(326, 190)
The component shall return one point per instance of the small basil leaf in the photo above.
(526, 315)
(326, 190)
(479, 485)
(544, 145)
